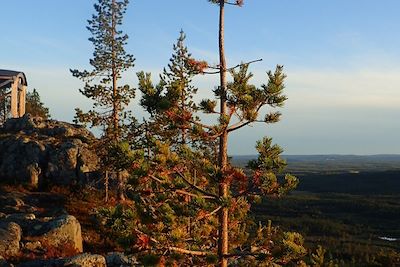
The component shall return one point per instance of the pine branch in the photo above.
(183, 192)
(210, 214)
(243, 123)
(202, 125)
(238, 125)
(232, 68)
(196, 187)
(242, 254)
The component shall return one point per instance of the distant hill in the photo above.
(333, 163)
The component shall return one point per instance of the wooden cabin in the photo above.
(13, 86)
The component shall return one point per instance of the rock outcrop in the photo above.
(28, 229)
(10, 237)
(36, 151)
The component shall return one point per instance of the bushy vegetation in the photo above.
(186, 203)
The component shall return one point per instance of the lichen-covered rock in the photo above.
(63, 230)
(86, 260)
(34, 151)
(10, 236)
(119, 259)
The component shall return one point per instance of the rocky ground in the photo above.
(36, 230)
(43, 226)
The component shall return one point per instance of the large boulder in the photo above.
(10, 237)
(35, 151)
(61, 231)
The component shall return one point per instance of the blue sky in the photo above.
(342, 59)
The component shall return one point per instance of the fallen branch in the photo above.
(190, 252)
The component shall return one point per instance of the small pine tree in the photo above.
(34, 106)
(109, 61)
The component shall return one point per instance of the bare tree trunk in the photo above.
(106, 183)
(114, 78)
(223, 147)
(116, 103)
(121, 186)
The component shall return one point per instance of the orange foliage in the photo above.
(198, 66)
(143, 242)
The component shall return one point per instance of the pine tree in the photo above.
(102, 86)
(245, 101)
(109, 61)
(34, 105)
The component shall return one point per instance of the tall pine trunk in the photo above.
(223, 147)
(115, 116)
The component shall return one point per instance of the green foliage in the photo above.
(266, 168)
(34, 106)
(119, 223)
(119, 156)
(170, 102)
(293, 244)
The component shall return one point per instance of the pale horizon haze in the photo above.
(341, 58)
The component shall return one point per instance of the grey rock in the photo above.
(10, 236)
(119, 259)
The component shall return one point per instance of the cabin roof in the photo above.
(10, 74)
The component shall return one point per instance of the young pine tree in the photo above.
(109, 61)
(34, 105)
